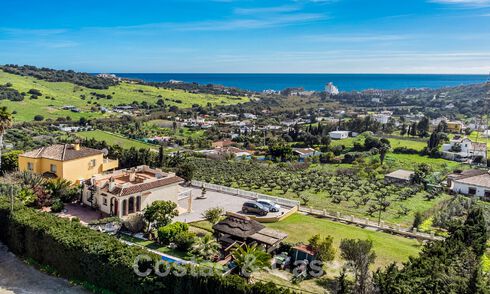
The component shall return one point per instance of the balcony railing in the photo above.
(109, 164)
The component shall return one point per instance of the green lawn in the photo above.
(388, 248)
(395, 142)
(69, 94)
(114, 139)
(155, 246)
(410, 161)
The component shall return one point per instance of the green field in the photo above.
(395, 142)
(388, 248)
(113, 139)
(69, 94)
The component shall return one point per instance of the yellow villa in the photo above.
(68, 161)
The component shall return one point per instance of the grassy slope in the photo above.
(388, 248)
(113, 139)
(69, 94)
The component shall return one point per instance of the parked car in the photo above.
(269, 205)
(254, 207)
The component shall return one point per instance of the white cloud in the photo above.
(468, 3)
(260, 10)
(356, 38)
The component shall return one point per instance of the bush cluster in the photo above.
(52, 75)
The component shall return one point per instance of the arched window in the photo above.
(138, 203)
(131, 205)
(125, 207)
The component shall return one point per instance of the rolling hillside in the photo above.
(55, 95)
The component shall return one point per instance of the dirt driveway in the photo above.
(20, 278)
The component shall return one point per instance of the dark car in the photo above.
(254, 207)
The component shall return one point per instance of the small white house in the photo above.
(306, 152)
(339, 135)
(471, 182)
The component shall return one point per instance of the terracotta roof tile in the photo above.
(146, 186)
(61, 152)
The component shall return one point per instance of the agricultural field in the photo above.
(363, 193)
(62, 93)
(114, 139)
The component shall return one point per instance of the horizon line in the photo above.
(297, 73)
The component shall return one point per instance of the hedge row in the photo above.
(79, 253)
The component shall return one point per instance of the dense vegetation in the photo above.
(449, 266)
(7, 92)
(52, 75)
(76, 252)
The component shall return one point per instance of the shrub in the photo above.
(135, 223)
(167, 234)
(38, 117)
(184, 240)
(57, 206)
(405, 150)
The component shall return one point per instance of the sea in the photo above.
(315, 82)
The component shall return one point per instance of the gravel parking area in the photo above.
(20, 278)
(228, 202)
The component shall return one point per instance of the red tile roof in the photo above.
(138, 188)
(61, 152)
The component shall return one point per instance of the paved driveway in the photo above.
(20, 278)
(228, 202)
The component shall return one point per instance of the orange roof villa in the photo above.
(128, 191)
(67, 161)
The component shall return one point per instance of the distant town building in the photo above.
(400, 176)
(305, 152)
(463, 149)
(331, 89)
(222, 143)
(455, 127)
(339, 135)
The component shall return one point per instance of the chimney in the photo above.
(132, 176)
(112, 184)
(76, 146)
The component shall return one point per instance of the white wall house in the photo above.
(471, 182)
(125, 192)
(339, 135)
(469, 150)
(306, 152)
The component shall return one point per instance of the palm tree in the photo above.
(206, 247)
(58, 188)
(250, 258)
(6, 121)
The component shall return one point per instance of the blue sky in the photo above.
(300, 36)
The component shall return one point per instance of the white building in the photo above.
(306, 152)
(382, 117)
(471, 182)
(125, 192)
(331, 89)
(339, 135)
(463, 149)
